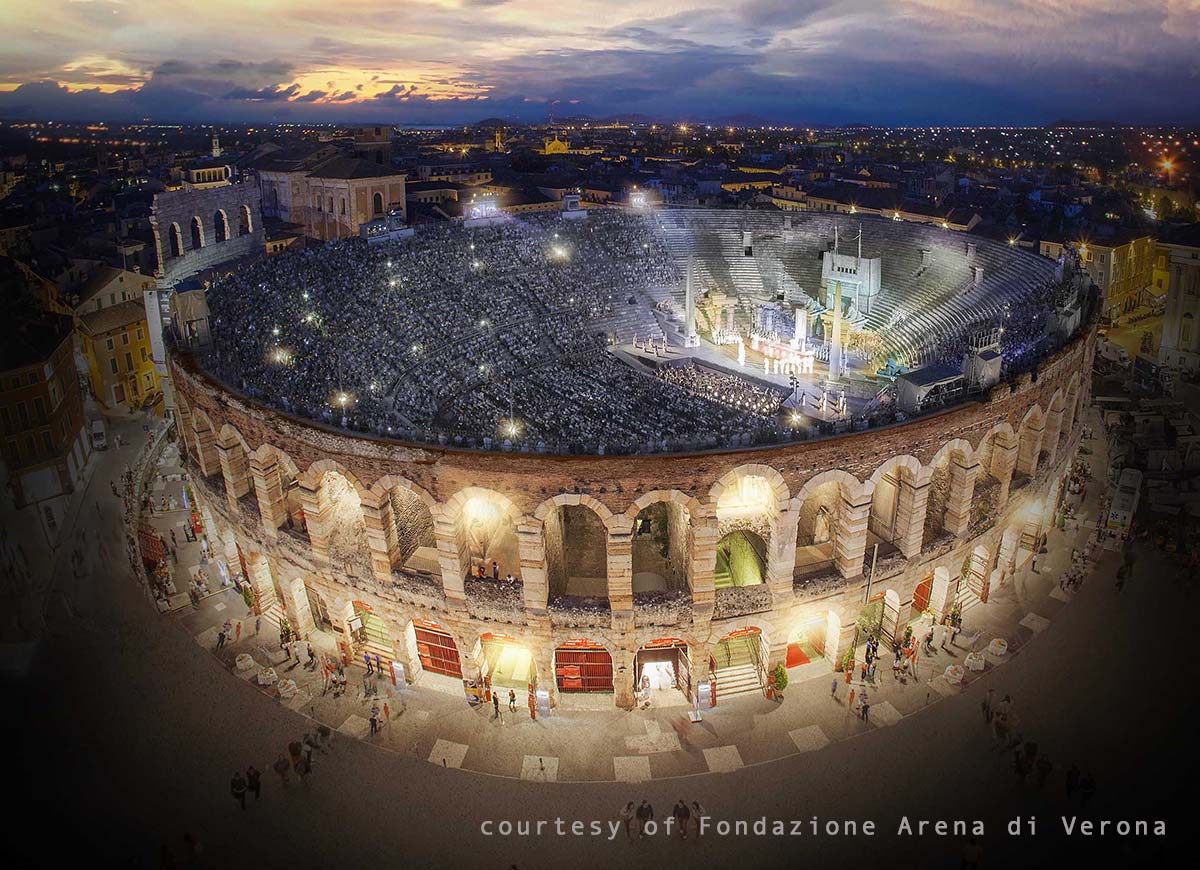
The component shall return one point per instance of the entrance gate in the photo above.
(583, 666)
(436, 649)
(671, 650)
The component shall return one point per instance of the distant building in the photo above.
(331, 197)
(1122, 266)
(374, 144)
(116, 343)
(44, 446)
(1181, 336)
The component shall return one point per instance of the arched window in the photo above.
(343, 205)
(176, 241)
(331, 205)
(197, 234)
(245, 225)
(220, 226)
(377, 203)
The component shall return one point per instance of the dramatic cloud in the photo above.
(445, 61)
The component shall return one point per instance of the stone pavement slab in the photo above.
(446, 752)
(884, 714)
(723, 759)
(1062, 595)
(631, 768)
(809, 738)
(1035, 623)
(356, 726)
(540, 768)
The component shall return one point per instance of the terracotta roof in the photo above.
(114, 317)
(352, 167)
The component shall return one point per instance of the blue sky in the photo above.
(446, 61)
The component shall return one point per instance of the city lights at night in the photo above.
(502, 434)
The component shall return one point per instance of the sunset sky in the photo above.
(435, 61)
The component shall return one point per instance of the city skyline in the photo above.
(456, 61)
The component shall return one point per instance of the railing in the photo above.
(760, 666)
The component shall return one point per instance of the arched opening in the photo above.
(408, 526)
(582, 665)
(432, 649)
(886, 525)
(975, 580)
(940, 493)
(377, 204)
(319, 608)
(819, 521)
(505, 664)
(372, 636)
(741, 560)
(346, 529)
(806, 642)
(576, 542)
(661, 546)
(985, 500)
(244, 225)
(220, 226)
(176, 240)
(662, 673)
(197, 234)
(739, 664)
(487, 537)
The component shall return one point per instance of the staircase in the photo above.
(967, 598)
(740, 675)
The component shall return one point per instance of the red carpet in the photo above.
(796, 656)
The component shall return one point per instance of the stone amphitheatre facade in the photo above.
(322, 519)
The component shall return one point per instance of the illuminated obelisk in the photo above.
(690, 338)
(835, 339)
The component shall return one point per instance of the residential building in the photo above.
(1181, 334)
(1122, 266)
(116, 344)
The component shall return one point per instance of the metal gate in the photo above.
(583, 666)
(437, 650)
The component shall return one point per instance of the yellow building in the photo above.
(1122, 267)
(116, 343)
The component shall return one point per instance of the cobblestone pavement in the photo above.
(125, 733)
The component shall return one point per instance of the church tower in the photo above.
(216, 144)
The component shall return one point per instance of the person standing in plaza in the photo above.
(254, 781)
(257, 625)
(681, 814)
(237, 788)
(626, 816)
(512, 701)
(237, 632)
(496, 705)
(221, 638)
(645, 813)
(833, 688)
(367, 661)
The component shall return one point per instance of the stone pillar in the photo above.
(958, 500)
(703, 567)
(260, 581)
(400, 653)
(781, 559)
(316, 518)
(1029, 445)
(543, 660)
(776, 652)
(268, 489)
(535, 582)
(1007, 559)
(206, 452)
(896, 615)
(941, 593)
(1054, 420)
(838, 638)
(620, 572)
(851, 545)
(623, 678)
(451, 559)
(383, 551)
(1004, 463)
(1068, 420)
(298, 606)
(912, 501)
(235, 471)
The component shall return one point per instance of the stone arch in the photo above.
(830, 512)
(575, 535)
(377, 204)
(406, 515)
(724, 488)
(245, 221)
(315, 473)
(277, 483)
(334, 501)
(220, 226)
(234, 455)
(197, 230)
(204, 437)
(1029, 444)
(478, 525)
(175, 239)
(742, 557)
(229, 436)
(951, 474)
(663, 541)
(898, 502)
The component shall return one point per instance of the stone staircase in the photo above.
(967, 599)
(740, 675)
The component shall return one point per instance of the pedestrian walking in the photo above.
(698, 813)
(220, 638)
(645, 813)
(833, 689)
(866, 709)
(1072, 781)
(378, 664)
(254, 781)
(512, 701)
(367, 660)
(682, 814)
(237, 632)
(496, 704)
(281, 767)
(257, 625)
(374, 722)
(237, 788)
(626, 816)
(295, 753)
(851, 703)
